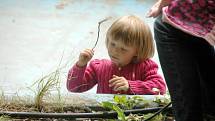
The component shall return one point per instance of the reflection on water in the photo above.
(35, 35)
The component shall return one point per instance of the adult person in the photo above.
(184, 31)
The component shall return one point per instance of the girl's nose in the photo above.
(116, 51)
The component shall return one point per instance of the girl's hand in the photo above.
(119, 83)
(157, 8)
(84, 57)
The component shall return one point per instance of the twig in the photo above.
(99, 30)
(158, 112)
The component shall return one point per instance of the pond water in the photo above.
(36, 34)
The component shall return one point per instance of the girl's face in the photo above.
(119, 53)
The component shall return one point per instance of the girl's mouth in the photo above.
(115, 60)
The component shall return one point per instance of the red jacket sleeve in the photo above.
(81, 79)
(151, 79)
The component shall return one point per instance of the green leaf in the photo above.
(107, 104)
(120, 112)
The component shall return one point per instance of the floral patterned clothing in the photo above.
(196, 17)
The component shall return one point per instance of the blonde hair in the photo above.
(131, 30)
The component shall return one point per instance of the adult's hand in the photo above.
(157, 8)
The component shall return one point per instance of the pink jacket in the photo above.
(142, 77)
(195, 17)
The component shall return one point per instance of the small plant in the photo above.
(2, 97)
(45, 85)
(130, 102)
(162, 99)
(122, 103)
(112, 106)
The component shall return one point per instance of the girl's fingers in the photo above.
(113, 81)
(119, 86)
(115, 76)
(118, 83)
(89, 52)
(85, 56)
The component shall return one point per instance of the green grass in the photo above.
(45, 86)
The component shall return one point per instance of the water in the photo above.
(35, 34)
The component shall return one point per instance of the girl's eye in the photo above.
(113, 44)
(123, 49)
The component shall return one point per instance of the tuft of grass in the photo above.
(45, 86)
(2, 97)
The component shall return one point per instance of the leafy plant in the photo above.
(130, 102)
(112, 106)
(162, 99)
(121, 103)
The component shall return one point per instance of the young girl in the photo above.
(129, 71)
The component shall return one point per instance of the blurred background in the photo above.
(38, 36)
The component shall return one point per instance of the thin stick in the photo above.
(99, 30)
(159, 111)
